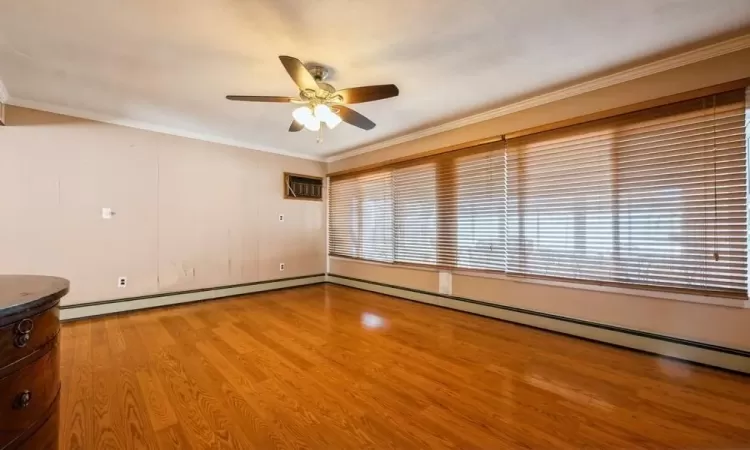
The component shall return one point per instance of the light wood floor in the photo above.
(333, 368)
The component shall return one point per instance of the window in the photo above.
(415, 214)
(480, 200)
(561, 206)
(655, 198)
(361, 217)
(682, 196)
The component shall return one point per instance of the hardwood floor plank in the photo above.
(153, 334)
(115, 336)
(76, 431)
(249, 365)
(136, 349)
(204, 414)
(180, 330)
(253, 402)
(135, 411)
(241, 395)
(289, 353)
(173, 438)
(234, 337)
(159, 408)
(107, 416)
(330, 367)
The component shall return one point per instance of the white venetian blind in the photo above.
(415, 213)
(361, 217)
(445, 211)
(477, 222)
(655, 198)
(652, 198)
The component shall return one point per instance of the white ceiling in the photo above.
(169, 63)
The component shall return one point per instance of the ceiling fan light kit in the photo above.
(319, 101)
(312, 118)
(325, 114)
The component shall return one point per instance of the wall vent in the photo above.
(302, 187)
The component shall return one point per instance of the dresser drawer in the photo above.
(22, 337)
(44, 437)
(27, 394)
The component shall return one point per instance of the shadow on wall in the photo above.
(16, 116)
(592, 76)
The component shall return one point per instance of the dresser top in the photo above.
(21, 292)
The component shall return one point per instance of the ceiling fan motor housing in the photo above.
(318, 72)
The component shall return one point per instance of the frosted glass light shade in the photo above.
(302, 114)
(312, 124)
(324, 114)
(333, 120)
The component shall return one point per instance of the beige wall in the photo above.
(189, 214)
(718, 325)
(420, 279)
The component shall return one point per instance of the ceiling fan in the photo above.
(321, 103)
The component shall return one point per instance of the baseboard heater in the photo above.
(85, 310)
(671, 347)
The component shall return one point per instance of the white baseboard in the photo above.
(71, 312)
(726, 358)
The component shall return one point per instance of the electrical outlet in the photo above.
(107, 213)
(122, 282)
(281, 217)
(281, 267)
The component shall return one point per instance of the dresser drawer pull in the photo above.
(23, 333)
(22, 400)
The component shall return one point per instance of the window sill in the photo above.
(663, 295)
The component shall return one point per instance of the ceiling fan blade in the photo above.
(352, 117)
(295, 126)
(299, 73)
(259, 98)
(368, 93)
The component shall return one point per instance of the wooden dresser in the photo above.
(29, 361)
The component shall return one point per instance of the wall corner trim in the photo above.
(3, 99)
(662, 65)
(106, 307)
(697, 352)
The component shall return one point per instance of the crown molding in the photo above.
(652, 68)
(130, 123)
